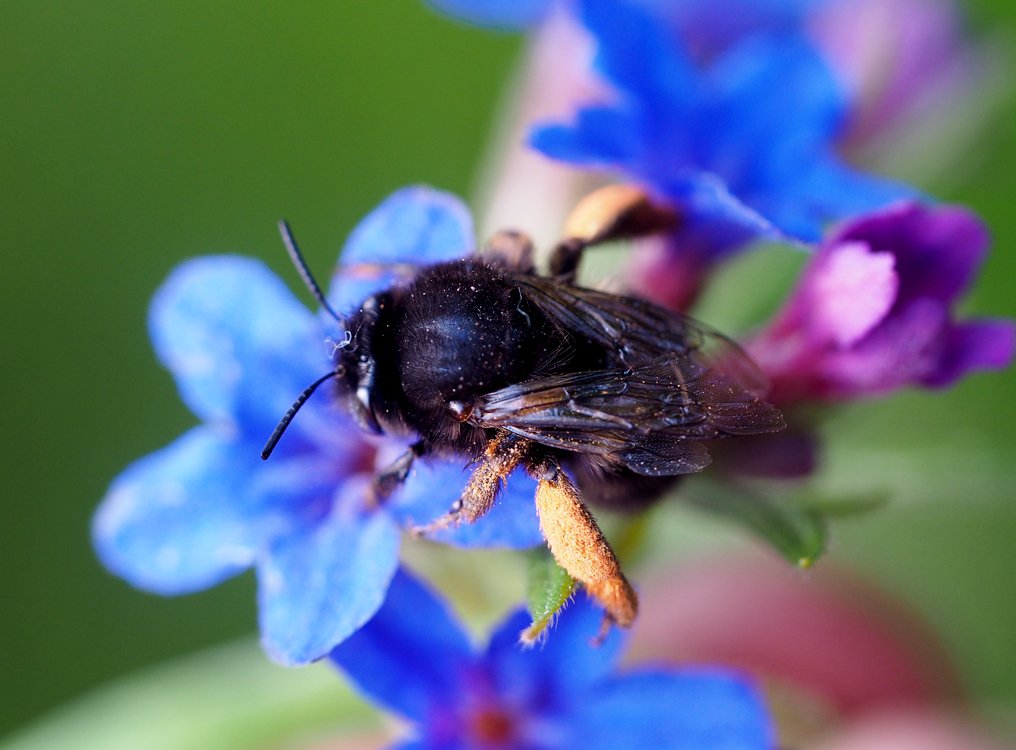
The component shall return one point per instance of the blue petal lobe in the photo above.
(175, 521)
(318, 583)
(411, 655)
(435, 484)
(239, 344)
(505, 15)
(688, 710)
(414, 226)
(566, 663)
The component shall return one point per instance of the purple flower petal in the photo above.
(239, 344)
(850, 289)
(318, 583)
(692, 710)
(176, 521)
(411, 655)
(976, 345)
(414, 226)
(897, 353)
(938, 249)
(435, 484)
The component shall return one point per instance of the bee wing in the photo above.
(640, 331)
(651, 418)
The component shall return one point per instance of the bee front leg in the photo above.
(502, 455)
(579, 546)
(392, 476)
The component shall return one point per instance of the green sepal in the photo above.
(549, 588)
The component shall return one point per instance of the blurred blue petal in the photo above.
(506, 15)
(745, 146)
(239, 344)
(411, 656)
(176, 521)
(711, 25)
(319, 582)
(567, 662)
(434, 484)
(415, 226)
(688, 710)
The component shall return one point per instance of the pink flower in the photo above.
(845, 666)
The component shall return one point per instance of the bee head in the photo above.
(355, 366)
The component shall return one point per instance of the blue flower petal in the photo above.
(600, 137)
(506, 15)
(566, 663)
(689, 710)
(411, 655)
(318, 583)
(636, 52)
(239, 344)
(175, 521)
(414, 226)
(435, 484)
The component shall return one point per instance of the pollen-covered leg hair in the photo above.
(579, 546)
(500, 458)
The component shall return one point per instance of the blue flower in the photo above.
(414, 659)
(707, 23)
(206, 507)
(744, 146)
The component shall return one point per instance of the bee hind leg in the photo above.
(579, 546)
(502, 455)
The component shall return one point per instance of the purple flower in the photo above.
(744, 147)
(206, 507)
(414, 659)
(873, 310)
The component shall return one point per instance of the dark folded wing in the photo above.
(651, 418)
(638, 331)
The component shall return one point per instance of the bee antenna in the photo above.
(301, 265)
(288, 417)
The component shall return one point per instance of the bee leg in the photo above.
(511, 249)
(579, 546)
(614, 212)
(502, 455)
(392, 476)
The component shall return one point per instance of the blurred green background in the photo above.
(134, 135)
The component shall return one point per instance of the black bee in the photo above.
(486, 359)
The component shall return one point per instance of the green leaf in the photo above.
(846, 506)
(795, 530)
(549, 589)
